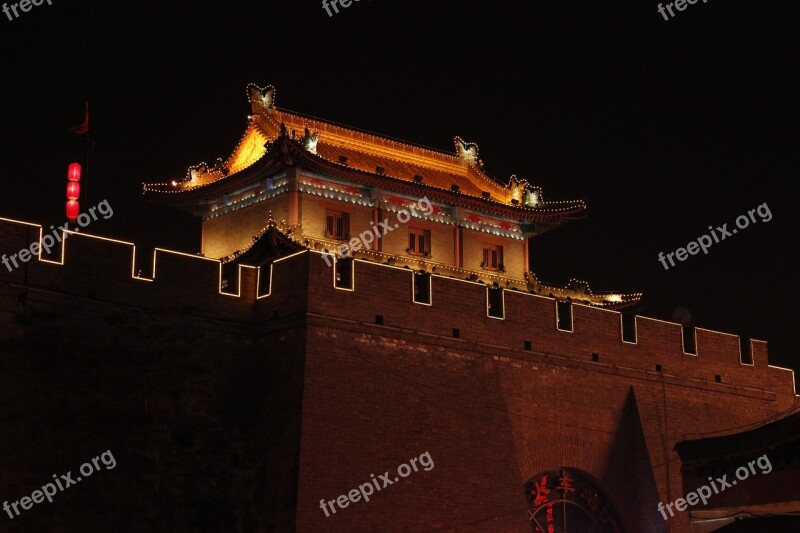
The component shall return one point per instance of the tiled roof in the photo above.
(350, 148)
(404, 161)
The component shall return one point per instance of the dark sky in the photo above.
(664, 127)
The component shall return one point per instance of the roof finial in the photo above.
(262, 99)
(468, 152)
(310, 140)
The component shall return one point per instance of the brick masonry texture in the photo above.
(300, 395)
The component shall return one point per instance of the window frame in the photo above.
(492, 257)
(414, 233)
(344, 218)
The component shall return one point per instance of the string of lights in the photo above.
(262, 100)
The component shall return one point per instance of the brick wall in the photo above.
(196, 394)
(367, 397)
(493, 414)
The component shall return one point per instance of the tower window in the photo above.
(337, 225)
(492, 258)
(419, 242)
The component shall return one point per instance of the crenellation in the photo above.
(717, 346)
(177, 267)
(760, 354)
(532, 318)
(103, 268)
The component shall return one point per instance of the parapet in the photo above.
(394, 299)
(500, 320)
(83, 265)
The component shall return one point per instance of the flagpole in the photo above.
(84, 144)
(88, 152)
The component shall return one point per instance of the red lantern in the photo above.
(73, 190)
(73, 210)
(74, 172)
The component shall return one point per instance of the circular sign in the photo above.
(563, 501)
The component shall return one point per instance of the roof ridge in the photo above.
(393, 149)
(382, 136)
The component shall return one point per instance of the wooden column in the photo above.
(294, 198)
(376, 218)
(527, 253)
(458, 249)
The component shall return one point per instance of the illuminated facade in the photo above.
(326, 184)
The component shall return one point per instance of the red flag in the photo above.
(83, 128)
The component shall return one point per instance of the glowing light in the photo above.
(73, 190)
(74, 172)
(73, 210)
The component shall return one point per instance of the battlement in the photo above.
(527, 323)
(83, 265)
(375, 295)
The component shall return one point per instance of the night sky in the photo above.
(663, 127)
